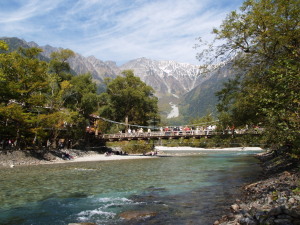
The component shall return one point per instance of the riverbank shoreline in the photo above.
(27, 158)
(274, 199)
(164, 148)
(12, 158)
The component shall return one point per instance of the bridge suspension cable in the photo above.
(151, 127)
(121, 123)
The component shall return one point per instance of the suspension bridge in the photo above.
(138, 132)
(153, 135)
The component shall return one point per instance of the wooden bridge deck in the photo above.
(166, 135)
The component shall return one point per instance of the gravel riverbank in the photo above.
(274, 200)
(12, 158)
(9, 158)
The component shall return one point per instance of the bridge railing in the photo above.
(150, 134)
(190, 133)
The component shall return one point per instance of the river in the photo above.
(195, 187)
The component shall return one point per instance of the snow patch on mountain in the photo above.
(175, 78)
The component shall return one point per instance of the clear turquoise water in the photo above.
(193, 188)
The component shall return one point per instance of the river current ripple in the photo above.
(195, 187)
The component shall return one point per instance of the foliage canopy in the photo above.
(128, 97)
(42, 102)
(264, 40)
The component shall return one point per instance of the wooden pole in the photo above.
(126, 124)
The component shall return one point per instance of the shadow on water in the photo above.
(199, 206)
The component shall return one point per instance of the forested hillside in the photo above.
(202, 99)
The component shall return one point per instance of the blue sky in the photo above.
(117, 30)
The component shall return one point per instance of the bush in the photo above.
(133, 147)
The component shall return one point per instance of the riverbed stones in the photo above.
(87, 223)
(276, 211)
(136, 215)
(292, 201)
(49, 157)
(235, 207)
(217, 222)
(274, 200)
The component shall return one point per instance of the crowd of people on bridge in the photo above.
(138, 131)
(174, 130)
(186, 130)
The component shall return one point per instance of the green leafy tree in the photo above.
(42, 101)
(83, 96)
(205, 120)
(264, 39)
(128, 97)
(3, 46)
(22, 87)
(59, 63)
(71, 102)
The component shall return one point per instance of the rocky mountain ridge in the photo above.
(176, 84)
(166, 77)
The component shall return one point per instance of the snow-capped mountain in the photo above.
(166, 77)
(169, 79)
(175, 84)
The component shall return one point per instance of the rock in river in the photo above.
(136, 215)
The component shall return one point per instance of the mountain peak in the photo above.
(168, 78)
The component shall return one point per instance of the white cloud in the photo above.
(118, 30)
(31, 9)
